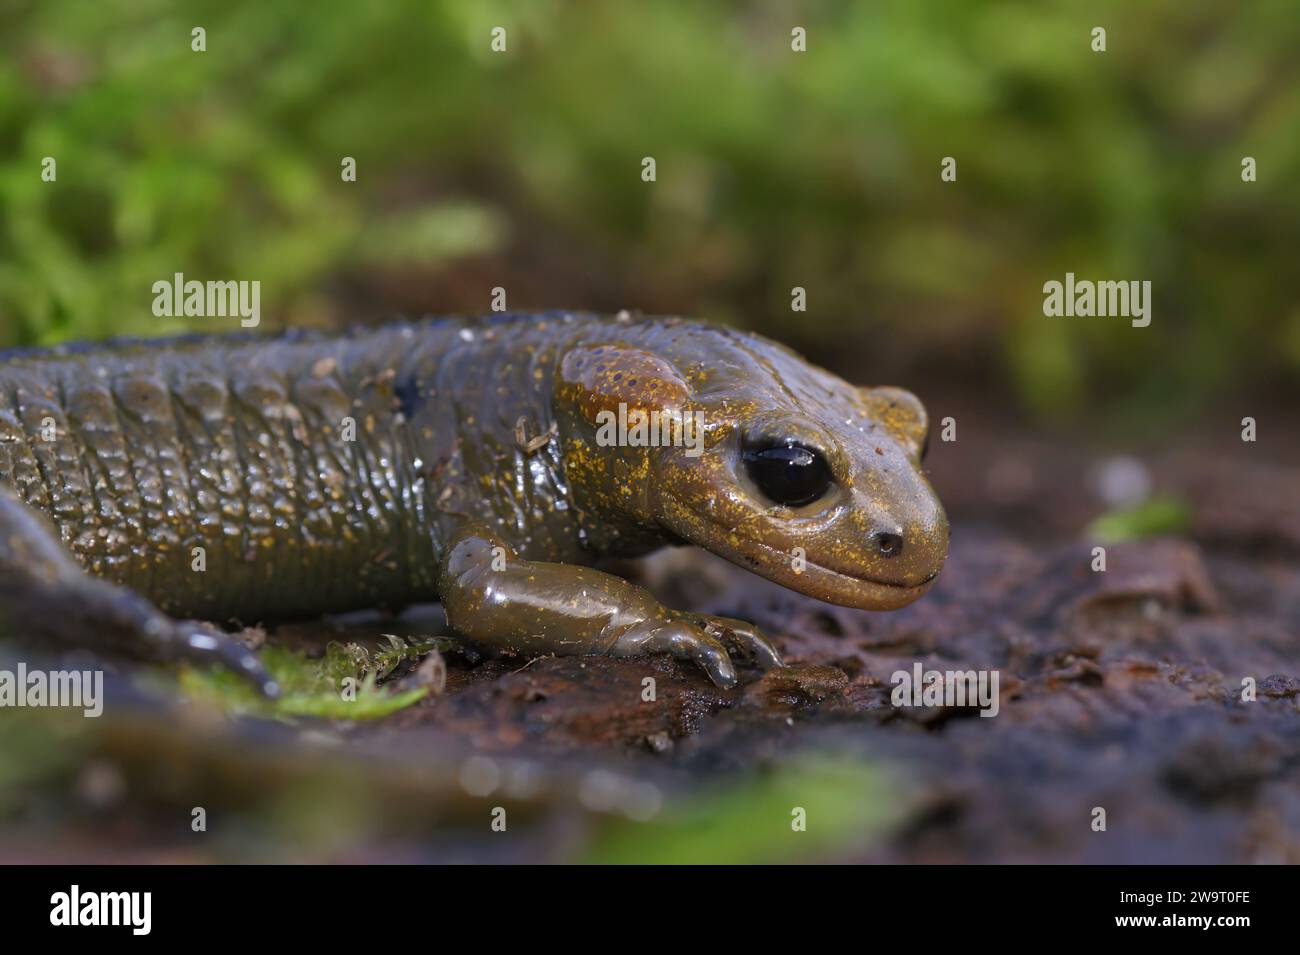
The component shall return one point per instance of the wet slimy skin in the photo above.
(243, 479)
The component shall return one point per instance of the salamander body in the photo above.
(484, 463)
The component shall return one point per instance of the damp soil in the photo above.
(1119, 691)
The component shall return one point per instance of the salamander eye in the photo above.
(788, 474)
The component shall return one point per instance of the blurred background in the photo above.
(775, 169)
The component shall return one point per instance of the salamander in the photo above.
(486, 463)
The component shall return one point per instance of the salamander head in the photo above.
(796, 475)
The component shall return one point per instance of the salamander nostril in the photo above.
(889, 545)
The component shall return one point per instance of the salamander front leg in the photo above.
(495, 598)
(46, 597)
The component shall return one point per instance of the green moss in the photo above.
(341, 685)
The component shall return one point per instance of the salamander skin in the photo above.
(234, 478)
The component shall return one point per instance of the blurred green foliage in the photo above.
(820, 805)
(1164, 514)
(775, 169)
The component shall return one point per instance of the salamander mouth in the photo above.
(825, 583)
(813, 579)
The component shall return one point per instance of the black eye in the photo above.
(788, 473)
